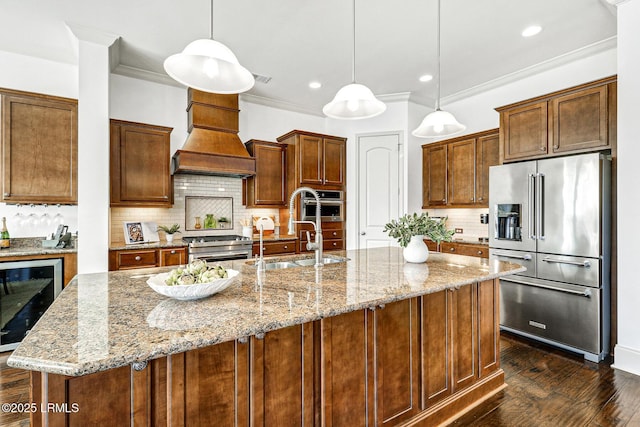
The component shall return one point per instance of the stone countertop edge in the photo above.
(53, 346)
(12, 252)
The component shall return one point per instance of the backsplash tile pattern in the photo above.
(467, 219)
(189, 185)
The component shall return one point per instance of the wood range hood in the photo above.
(213, 146)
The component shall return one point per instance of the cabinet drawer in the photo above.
(137, 259)
(433, 246)
(465, 249)
(173, 256)
(273, 248)
(334, 244)
(326, 234)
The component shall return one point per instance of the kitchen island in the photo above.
(370, 340)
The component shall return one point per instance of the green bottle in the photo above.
(5, 242)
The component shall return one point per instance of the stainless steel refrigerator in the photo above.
(553, 217)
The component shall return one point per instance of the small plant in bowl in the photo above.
(169, 231)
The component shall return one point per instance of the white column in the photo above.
(627, 351)
(93, 148)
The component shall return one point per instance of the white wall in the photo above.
(267, 123)
(627, 351)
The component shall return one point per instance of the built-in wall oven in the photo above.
(331, 206)
(27, 289)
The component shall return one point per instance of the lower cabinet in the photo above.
(419, 361)
(279, 247)
(127, 259)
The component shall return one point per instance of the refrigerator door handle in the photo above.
(531, 200)
(523, 257)
(539, 206)
(585, 264)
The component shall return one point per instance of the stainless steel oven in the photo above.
(219, 248)
(331, 206)
(27, 289)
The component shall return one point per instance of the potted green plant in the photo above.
(169, 231)
(411, 229)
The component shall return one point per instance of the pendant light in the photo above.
(439, 123)
(354, 101)
(209, 66)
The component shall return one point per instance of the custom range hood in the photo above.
(213, 146)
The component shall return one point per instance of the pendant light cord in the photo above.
(211, 20)
(438, 55)
(353, 51)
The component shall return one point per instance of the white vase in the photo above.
(169, 238)
(416, 251)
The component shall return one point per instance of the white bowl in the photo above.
(190, 292)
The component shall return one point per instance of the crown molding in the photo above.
(584, 52)
(139, 73)
(277, 103)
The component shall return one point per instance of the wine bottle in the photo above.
(4, 235)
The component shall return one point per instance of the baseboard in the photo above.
(627, 359)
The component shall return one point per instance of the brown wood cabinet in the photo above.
(315, 160)
(268, 187)
(434, 175)
(455, 172)
(463, 248)
(39, 148)
(279, 247)
(125, 259)
(140, 165)
(333, 236)
(574, 120)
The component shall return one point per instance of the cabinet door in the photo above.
(282, 373)
(461, 172)
(524, 131)
(334, 162)
(434, 176)
(463, 336)
(395, 357)
(310, 160)
(140, 169)
(488, 329)
(173, 256)
(39, 149)
(125, 260)
(580, 120)
(210, 374)
(487, 155)
(347, 401)
(269, 182)
(436, 378)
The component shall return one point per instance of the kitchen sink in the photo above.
(301, 263)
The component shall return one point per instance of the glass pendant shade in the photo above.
(439, 123)
(209, 66)
(354, 101)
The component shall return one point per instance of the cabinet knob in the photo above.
(335, 234)
(335, 244)
(479, 252)
(543, 148)
(471, 199)
(173, 252)
(556, 146)
(362, 233)
(138, 258)
(444, 200)
(480, 198)
(452, 249)
(286, 247)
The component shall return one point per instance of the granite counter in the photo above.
(107, 320)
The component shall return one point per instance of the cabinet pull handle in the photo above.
(137, 258)
(173, 252)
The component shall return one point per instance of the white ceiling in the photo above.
(297, 41)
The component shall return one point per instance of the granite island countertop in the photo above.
(107, 320)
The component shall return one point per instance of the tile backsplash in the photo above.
(189, 185)
(467, 219)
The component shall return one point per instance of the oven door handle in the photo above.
(219, 255)
(322, 202)
(584, 293)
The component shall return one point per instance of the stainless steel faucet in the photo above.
(317, 245)
(260, 264)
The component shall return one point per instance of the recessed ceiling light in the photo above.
(315, 85)
(531, 31)
(426, 78)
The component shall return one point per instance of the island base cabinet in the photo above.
(419, 361)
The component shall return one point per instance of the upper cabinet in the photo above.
(268, 187)
(140, 165)
(455, 172)
(315, 160)
(574, 120)
(39, 148)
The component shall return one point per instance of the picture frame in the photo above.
(133, 232)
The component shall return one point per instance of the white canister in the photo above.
(247, 231)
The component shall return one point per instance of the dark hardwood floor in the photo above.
(546, 387)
